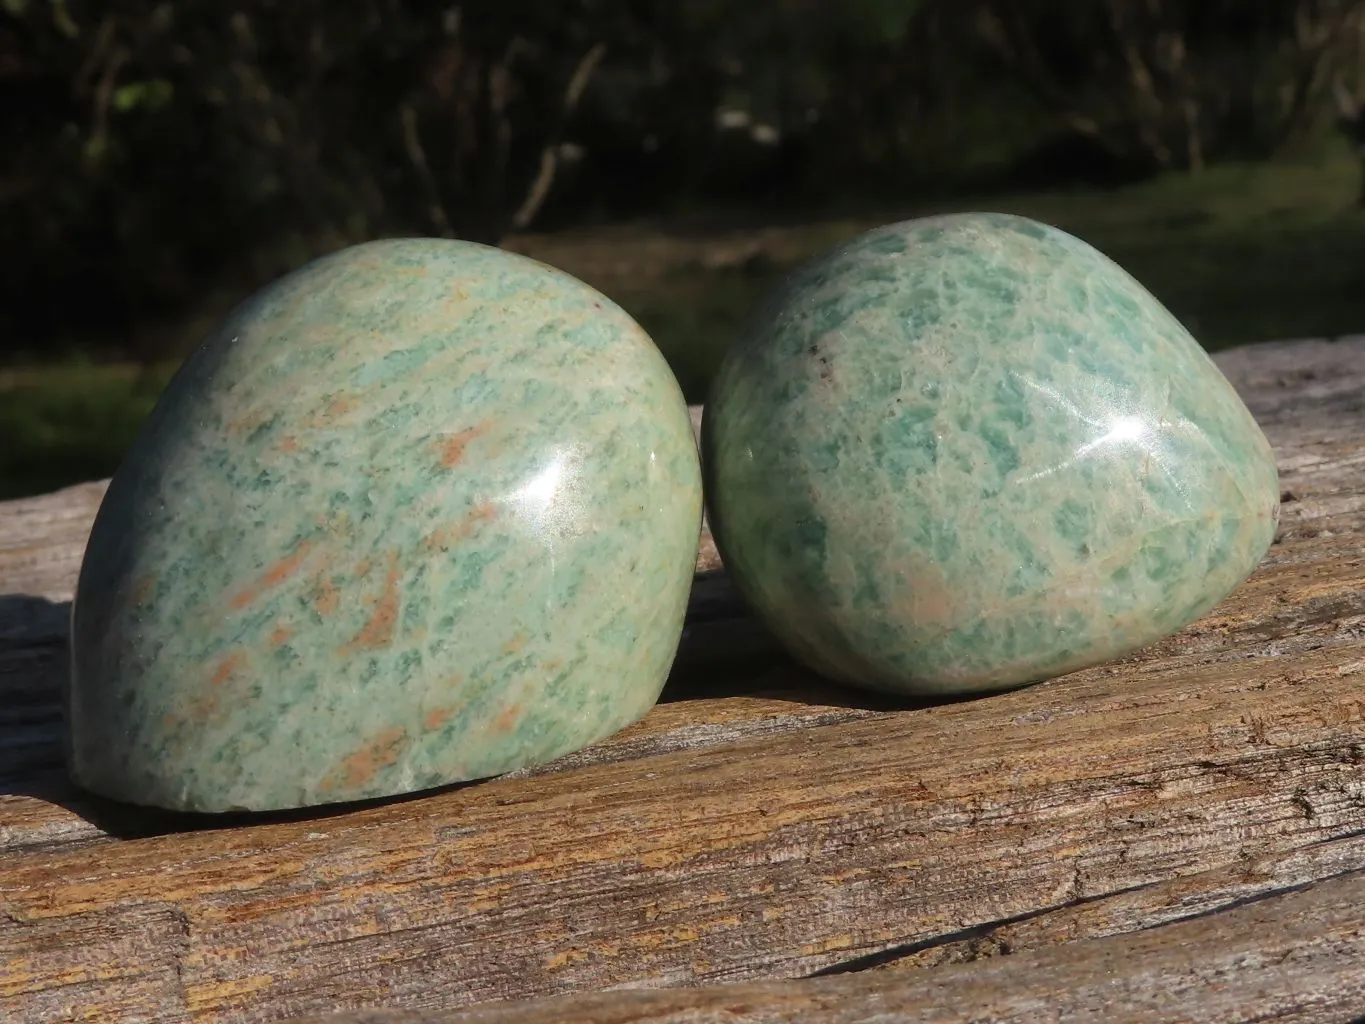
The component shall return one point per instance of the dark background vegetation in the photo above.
(160, 160)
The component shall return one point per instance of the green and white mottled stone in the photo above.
(969, 452)
(422, 511)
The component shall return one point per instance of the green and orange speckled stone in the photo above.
(421, 512)
(969, 452)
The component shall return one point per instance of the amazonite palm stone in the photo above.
(421, 512)
(970, 452)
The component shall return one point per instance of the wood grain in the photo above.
(1296, 958)
(757, 825)
(42, 540)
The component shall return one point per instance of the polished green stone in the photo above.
(422, 511)
(969, 452)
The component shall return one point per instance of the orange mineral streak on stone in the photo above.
(360, 767)
(507, 720)
(227, 668)
(205, 706)
(450, 449)
(326, 600)
(444, 537)
(244, 424)
(483, 512)
(289, 443)
(142, 590)
(281, 635)
(275, 574)
(338, 407)
(378, 629)
(436, 718)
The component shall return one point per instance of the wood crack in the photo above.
(1261, 897)
(977, 937)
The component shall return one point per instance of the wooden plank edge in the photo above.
(506, 891)
(1294, 956)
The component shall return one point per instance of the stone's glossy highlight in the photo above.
(421, 512)
(970, 452)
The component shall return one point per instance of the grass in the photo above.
(1241, 254)
(71, 422)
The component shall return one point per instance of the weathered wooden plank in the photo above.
(1296, 957)
(772, 857)
(1251, 878)
(758, 824)
(42, 540)
(106, 977)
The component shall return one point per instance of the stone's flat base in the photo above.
(970, 452)
(418, 513)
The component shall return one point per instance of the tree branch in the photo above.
(549, 154)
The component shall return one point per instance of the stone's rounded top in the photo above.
(970, 451)
(421, 511)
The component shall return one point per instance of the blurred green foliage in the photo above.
(71, 422)
(1243, 253)
(162, 158)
